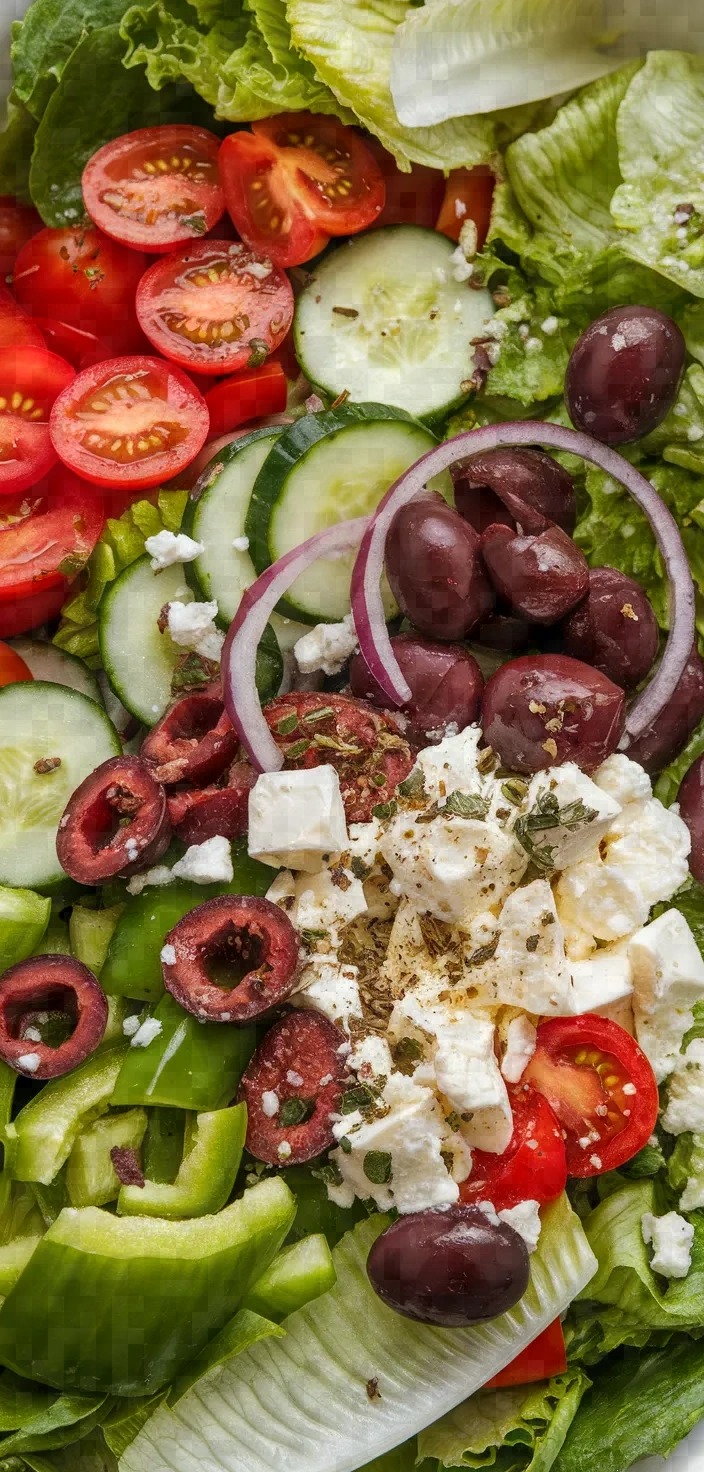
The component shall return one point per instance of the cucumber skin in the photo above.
(293, 444)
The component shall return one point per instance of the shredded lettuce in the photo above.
(517, 1430)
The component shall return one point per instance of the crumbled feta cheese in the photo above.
(529, 968)
(671, 1238)
(29, 1062)
(549, 326)
(284, 1150)
(533, 345)
(258, 269)
(587, 823)
(167, 548)
(146, 1034)
(206, 863)
(599, 981)
(330, 988)
(469, 239)
(132, 849)
(327, 647)
(297, 818)
(461, 1043)
(396, 1159)
(168, 955)
(692, 1198)
(685, 1095)
(31, 1035)
(158, 876)
(240, 544)
(191, 626)
(668, 978)
(521, 1037)
(452, 866)
(131, 1025)
(318, 902)
(371, 1057)
(625, 781)
(525, 1219)
(293, 1078)
(453, 764)
(270, 1103)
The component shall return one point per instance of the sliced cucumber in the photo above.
(40, 720)
(384, 318)
(323, 469)
(46, 662)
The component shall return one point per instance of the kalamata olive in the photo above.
(55, 987)
(691, 800)
(505, 485)
(298, 1066)
(115, 822)
(446, 682)
(624, 373)
(449, 1266)
(194, 742)
(231, 959)
(542, 577)
(199, 813)
(544, 709)
(671, 730)
(434, 568)
(614, 629)
(505, 632)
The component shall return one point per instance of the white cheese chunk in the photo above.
(297, 819)
(598, 982)
(529, 968)
(451, 867)
(206, 863)
(371, 1057)
(159, 876)
(192, 626)
(668, 977)
(406, 1144)
(685, 1095)
(149, 1030)
(330, 988)
(521, 1038)
(451, 765)
(525, 1219)
(325, 901)
(327, 647)
(671, 1237)
(588, 811)
(167, 548)
(625, 781)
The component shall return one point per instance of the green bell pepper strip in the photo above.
(162, 1151)
(133, 963)
(90, 1174)
(295, 1277)
(189, 1065)
(22, 1230)
(52, 1199)
(123, 1304)
(41, 1138)
(8, 1082)
(55, 941)
(206, 1175)
(24, 917)
(90, 932)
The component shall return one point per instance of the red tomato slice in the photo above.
(12, 668)
(533, 1167)
(18, 222)
(82, 277)
(45, 540)
(601, 1087)
(215, 307)
(129, 422)
(468, 196)
(79, 348)
(156, 188)
(16, 328)
(411, 199)
(247, 395)
(30, 380)
(297, 179)
(542, 1359)
(21, 614)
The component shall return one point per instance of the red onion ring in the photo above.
(239, 654)
(367, 604)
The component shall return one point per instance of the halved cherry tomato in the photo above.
(21, 614)
(533, 1167)
(542, 1359)
(468, 196)
(215, 306)
(129, 422)
(18, 222)
(247, 395)
(45, 541)
(12, 668)
(411, 199)
(157, 187)
(601, 1087)
(82, 277)
(30, 381)
(80, 349)
(16, 328)
(296, 179)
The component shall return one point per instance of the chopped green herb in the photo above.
(547, 814)
(377, 1166)
(258, 352)
(295, 1111)
(287, 724)
(310, 936)
(514, 790)
(385, 809)
(379, 779)
(321, 713)
(296, 749)
(466, 805)
(329, 1173)
(361, 1096)
(346, 1145)
(413, 785)
(359, 868)
(407, 1052)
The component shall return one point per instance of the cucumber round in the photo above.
(46, 662)
(138, 660)
(39, 720)
(326, 468)
(383, 318)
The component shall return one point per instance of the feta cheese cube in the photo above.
(396, 1159)
(206, 863)
(371, 1057)
(668, 977)
(603, 979)
(149, 1030)
(525, 1219)
(325, 901)
(327, 647)
(452, 866)
(529, 968)
(521, 1038)
(685, 1094)
(191, 626)
(671, 1238)
(460, 1043)
(331, 988)
(297, 819)
(167, 548)
(453, 765)
(625, 781)
(589, 812)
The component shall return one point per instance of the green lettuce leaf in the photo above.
(514, 1429)
(127, 1418)
(661, 150)
(532, 362)
(668, 783)
(624, 1279)
(245, 1329)
(401, 1459)
(16, 144)
(680, 436)
(48, 35)
(639, 1407)
(685, 1168)
(61, 1420)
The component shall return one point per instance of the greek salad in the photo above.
(351, 749)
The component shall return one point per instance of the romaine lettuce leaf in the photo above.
(16, 144)
(172, 50)
(661, 151)
(685, 1168)
(515, 1429)
(624, 1279)
(306, 1395)
(48, 35)
(668, 783)
(680, 436)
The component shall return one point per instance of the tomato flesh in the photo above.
(82, 277)
(129, 422)
(542, 1359)
(411, 199)
(12, 668)
(30, 380)
(532, 1168)
(297, 179)
(156, 188)
(17, 329)
(45, 540)
(215, 307)
(468, 196)
(251, 394)
(601, 1087)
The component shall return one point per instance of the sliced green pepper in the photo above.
(133, 965)
(189, 1065)
(8, 1082)
(122, 1304)
(207, 1173)
(90, 932)
(55, 941)
(296, 1275)
(51, 1199)
(24, 917)
(23, 1229)
(90, 1174)
(40, 1139)
(162, 1151)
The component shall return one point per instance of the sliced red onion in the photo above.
(367, 605)
(314, 404)
(239, 654)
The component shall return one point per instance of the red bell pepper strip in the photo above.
(546, 1356)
